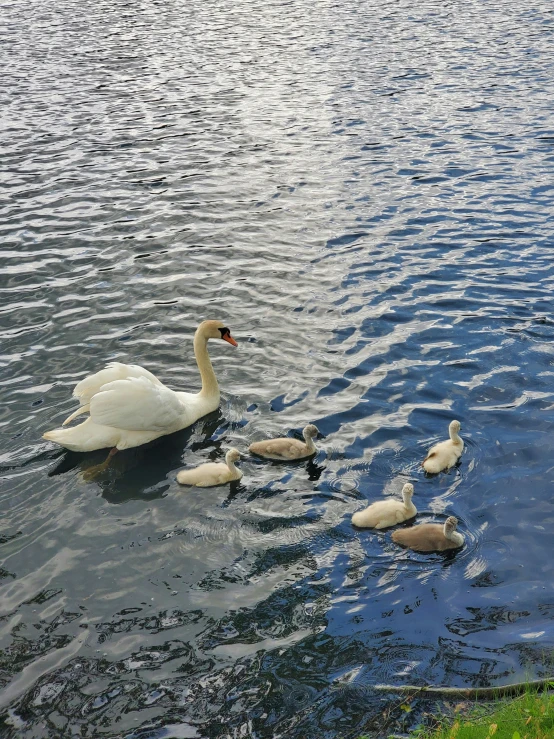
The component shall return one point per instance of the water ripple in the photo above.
(362, 191)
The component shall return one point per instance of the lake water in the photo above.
(363, 191)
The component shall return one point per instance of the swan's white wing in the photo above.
(136, 404)
(89, 386)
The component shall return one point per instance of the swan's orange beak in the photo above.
(229, 339)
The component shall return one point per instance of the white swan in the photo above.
(129, 406)
(385, 513)
(445, 454)
(286, 448)
(430, 537)
(211, 474)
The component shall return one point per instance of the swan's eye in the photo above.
(226, 336)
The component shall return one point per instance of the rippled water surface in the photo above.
(362, 191)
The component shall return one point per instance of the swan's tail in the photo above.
(82, 409)
(85, 437)
(58, 436)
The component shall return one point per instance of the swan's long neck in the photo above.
(310, 446)
(210, 388)
(407, 498)
(231, 466)
(454, 437)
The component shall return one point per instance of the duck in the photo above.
(211, 474)
(385, 513)
(445, 454)
(286, 448)
(129, 406)
(430, 537)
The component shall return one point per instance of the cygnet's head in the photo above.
(233, 455)
(311, 431)
(450, 525)
(455, 427)
(407, 490)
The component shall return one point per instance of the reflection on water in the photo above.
(362, 192)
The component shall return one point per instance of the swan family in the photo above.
(128, 406)
(426, 537)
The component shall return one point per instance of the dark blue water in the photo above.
(363, 191)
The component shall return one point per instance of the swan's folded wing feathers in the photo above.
(433, 451)
(89, 386)
(285, 449)
(136, 404)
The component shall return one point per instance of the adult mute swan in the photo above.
(385, 513)
(430, 537)
(129, 406)
(211, 474)
(445, 454)
(286, 448)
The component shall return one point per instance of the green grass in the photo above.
(530, 716)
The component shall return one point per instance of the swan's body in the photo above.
(445, 454)
(385, 513)
(129, 406)
(430, 537)
(286, 448)
(212, 473)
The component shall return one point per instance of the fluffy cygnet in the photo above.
(445, 454)
(286, 448)
(386, 513)
(430, 537)
(212, 473)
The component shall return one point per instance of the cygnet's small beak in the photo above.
(229, 339)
